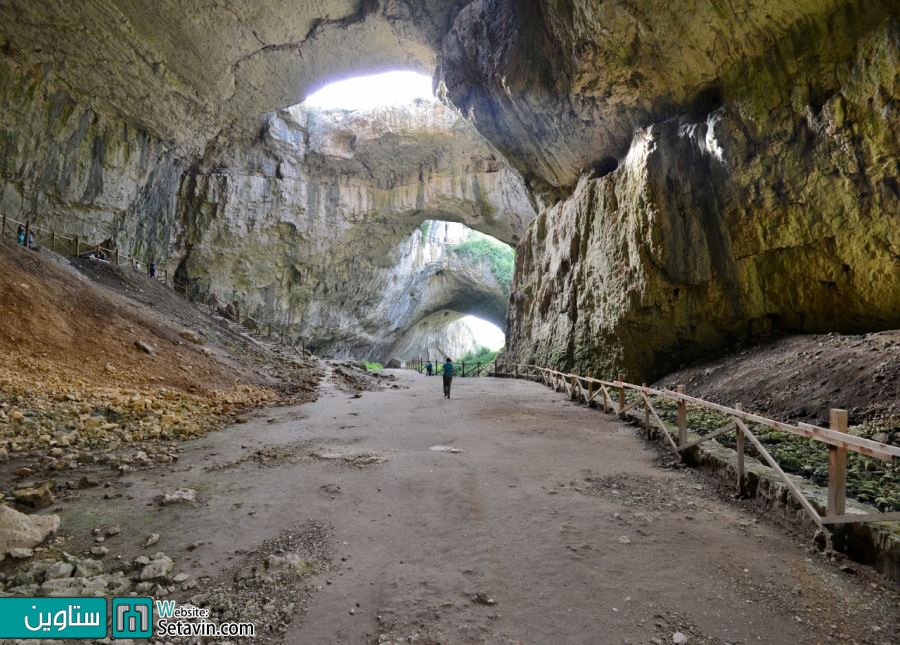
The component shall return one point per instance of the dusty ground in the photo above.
(552, 523)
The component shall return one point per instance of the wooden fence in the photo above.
(611, 396)
(75, 246)
(475, 369)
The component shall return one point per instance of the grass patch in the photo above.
(373, 367)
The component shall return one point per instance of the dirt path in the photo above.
(552, 525)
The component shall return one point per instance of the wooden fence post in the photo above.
(116, 255)
(682, 417)
(837, 466)
(77, 246)
(53, 240)
(739, 452)
(621, 392)
(3, 227)
(646, 410)
(590, 375)
(27, 235)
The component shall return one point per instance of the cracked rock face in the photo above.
(764, 215)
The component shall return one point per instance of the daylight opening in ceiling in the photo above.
(374, 90)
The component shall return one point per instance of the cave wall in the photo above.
(69, 168)
(314, 223)
(774, 211)
(704, 171)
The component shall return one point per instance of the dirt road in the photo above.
(552, 524)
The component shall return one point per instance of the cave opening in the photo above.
(707, 100)
(397, 87)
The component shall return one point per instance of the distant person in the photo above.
(20, 235)
(30, 239)
(448, 377)
(151, 268)
(429, 368)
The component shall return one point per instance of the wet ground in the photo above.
(548, 523)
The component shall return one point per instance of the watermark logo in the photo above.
(132, 617)
(53, 618)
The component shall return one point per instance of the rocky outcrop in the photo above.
(314, 222)
(772, 212)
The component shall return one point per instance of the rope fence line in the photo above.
(76, 247)
(611, 396)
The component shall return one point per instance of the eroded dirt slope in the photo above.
(99, 363)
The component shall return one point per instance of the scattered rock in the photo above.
(39, 497)
(18, 530)
(153, 539)
(99, 551)
(679, 639)
(442, 448)
(59, 570)
(144, 347)
(624, 540)
(178, 496)
(113, 530)
(21, 553)
(483, 598)
(158, 567)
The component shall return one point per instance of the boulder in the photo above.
(20, 531)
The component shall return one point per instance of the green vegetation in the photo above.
(480, 355)
(373, 367)
(425, 227)
(501, 256)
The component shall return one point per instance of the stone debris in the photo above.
(37, 497)
(158, 567)
(18, 530)
(483, 598)
(178, 496)
(443, 448)
(145, 347)
(151, 540)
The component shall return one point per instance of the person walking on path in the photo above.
(429, 368)
(20, 235)
(448, 377)
(151, 268)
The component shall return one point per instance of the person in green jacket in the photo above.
(448, 377)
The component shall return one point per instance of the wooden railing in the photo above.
(463, 368)
(75, 246)
(611, 396)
